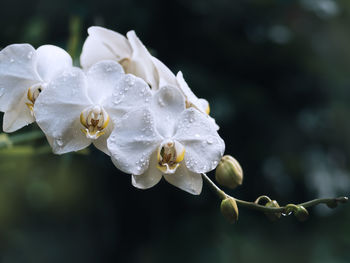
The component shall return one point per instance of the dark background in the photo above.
(277, 76)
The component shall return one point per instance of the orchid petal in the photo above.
(133, 140)
(204, 147)
(192, 99)
(101, 142)
(58, 108)
(141, 63)
(17, 74)
(200, 104)
(150, 177)
(167, 104)
(18, 117)
(129, 93)
(51, 61)
(102, 79)
(104, 44)
(188, 93)
(165, 76)
(186, 180)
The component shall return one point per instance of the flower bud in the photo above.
(301, 213)
(229, 172)
(229, 209)
(273, 216)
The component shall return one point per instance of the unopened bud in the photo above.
(273, 216)
(229, 172)
(229, 209)
(301, 213)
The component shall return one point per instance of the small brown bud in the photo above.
(229, 209)
(229, 172)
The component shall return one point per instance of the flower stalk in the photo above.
(330, 202)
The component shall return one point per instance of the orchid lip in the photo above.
(170, 155)
(95, 119)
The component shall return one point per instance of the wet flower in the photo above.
(166, 139)
(102, 44)
(24, 74)
(77, 108)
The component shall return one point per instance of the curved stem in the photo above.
(255, 206)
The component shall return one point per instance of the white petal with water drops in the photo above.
(204, 147)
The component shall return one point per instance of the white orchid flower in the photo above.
(102, 44)
(24, 73)
(77, 108)
(166, 139)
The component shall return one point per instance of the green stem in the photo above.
(251, 205)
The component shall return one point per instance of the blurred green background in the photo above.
(277, 76)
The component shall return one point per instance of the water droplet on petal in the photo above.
(2, 91)
(161, 102)
(59, 142)
(30, 54)
(112, 138)
(12, 60)
(209, 141)
(130, 80)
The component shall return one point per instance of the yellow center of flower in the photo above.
(170, 154)
(32, 94)
(95, 119)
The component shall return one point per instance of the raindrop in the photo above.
(209, 141)
(284, 214)
(59, 142)
(12, 60)
(30, 54)
(130, 80)
(2, 91)
(161, 102)
(117, 98)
